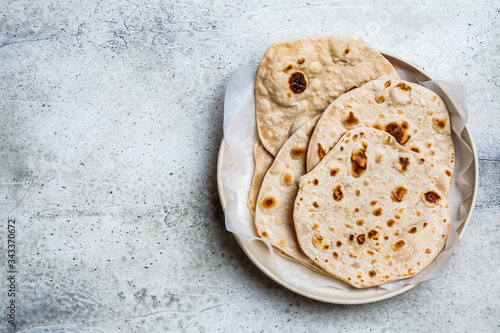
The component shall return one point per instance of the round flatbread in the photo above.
(274, 209)
(372, 211)
(416, 117)
(297, 80)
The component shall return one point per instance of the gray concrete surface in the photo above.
(110, 122)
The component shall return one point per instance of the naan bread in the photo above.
(414, 115)
(372, 211)
(274, 210)
(263, 161)
(297, 80)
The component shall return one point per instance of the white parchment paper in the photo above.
(240, 133)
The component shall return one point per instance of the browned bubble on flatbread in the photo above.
(390, 222)
(298, 152)
(400, 131)
(275, 203)
(359, 162)
(321, 151)
(413, 115)
(298, 79)
(269, 202)
(338, 194)
(398, 245)
(403, 86)
(399, 193)
(432, 197)
(297, 82)
(288, 179)
(404, 163)
(351, 119)
(440, 123)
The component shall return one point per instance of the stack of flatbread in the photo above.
(353, 165)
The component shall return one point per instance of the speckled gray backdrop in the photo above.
(110, 123)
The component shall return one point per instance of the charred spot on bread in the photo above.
(299, 152)
(269, 202)
(403, 86)
(287, 179)
(404, 163)
(361, 239)
(337, 193)
(334, 171)
(399, 131)
(359, 162)
(398, 193)
(297, 82)
(398, 245)
(432, 197)
(373, 233)
(439, 122)
(288, 68)
(321, 151)
(351, 119)
(377, 211)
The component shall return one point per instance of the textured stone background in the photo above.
(110, 121)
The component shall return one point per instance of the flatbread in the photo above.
(309, 264)
(297, 80)
(274, 209)
(263, 161)
(414, 115)
(372, 211)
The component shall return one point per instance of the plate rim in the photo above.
(466, 135)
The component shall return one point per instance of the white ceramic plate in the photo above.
(259, 253)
